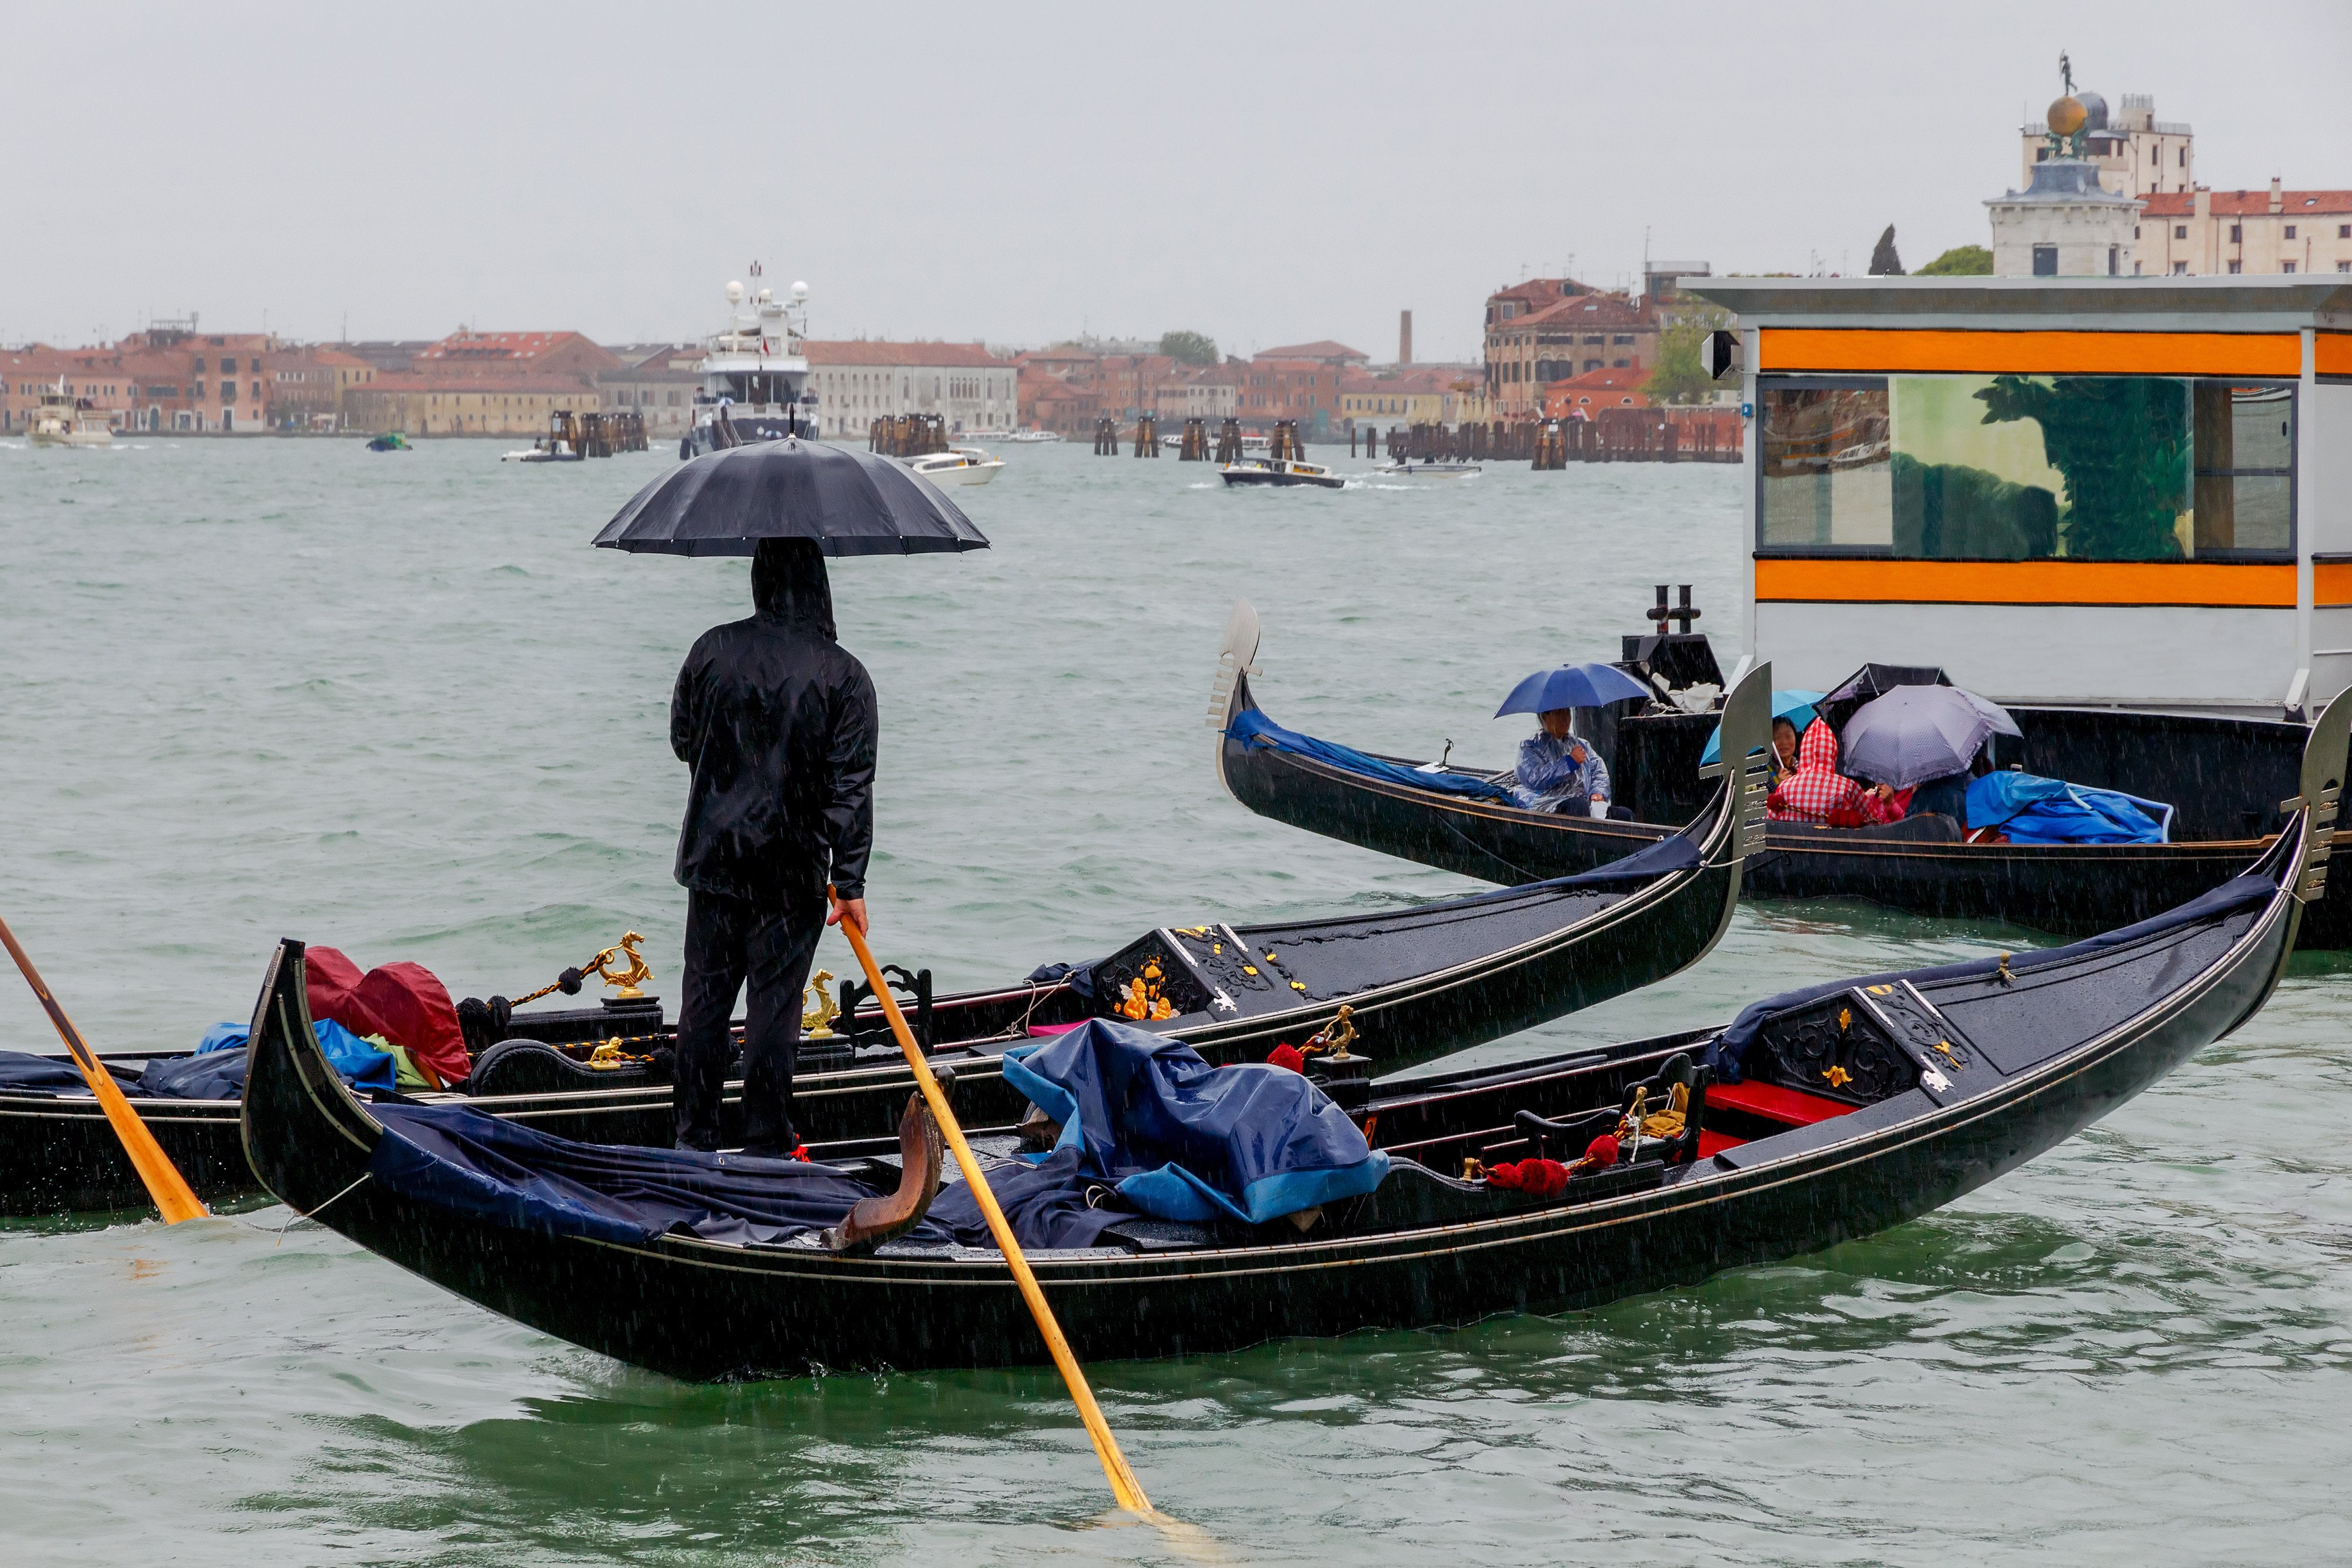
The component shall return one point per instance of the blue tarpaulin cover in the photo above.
(1184, 1140)
(2036, 811)
(1252, 727)
(1262, 1143)
(216, 1072)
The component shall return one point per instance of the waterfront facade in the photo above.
(658, 384)
(2202, 233)
(860, 381)
(1569, 335)
(2136, 154)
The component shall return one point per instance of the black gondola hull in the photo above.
(2070, 891)
(58, 1154)
(701, 1309)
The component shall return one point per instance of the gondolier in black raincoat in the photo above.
(778, 723)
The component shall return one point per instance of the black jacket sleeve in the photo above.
(849, 805)
(682, 719)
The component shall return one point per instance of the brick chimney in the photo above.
(1404, 336)
(2278, 203)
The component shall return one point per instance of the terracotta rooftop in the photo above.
(1325, 350)
(1586, 311)
(1610, 380)
(2249, 203)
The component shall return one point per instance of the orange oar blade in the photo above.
(168, 1189)
(1124, 1487)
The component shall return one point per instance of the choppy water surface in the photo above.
(393, 703)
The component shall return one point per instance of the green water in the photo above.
(393, 703)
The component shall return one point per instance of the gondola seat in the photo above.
(1657, 1094)
(1927, 827)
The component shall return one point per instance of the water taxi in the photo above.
(1281, 471)
(957, 465)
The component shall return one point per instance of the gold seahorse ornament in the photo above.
(816, 1022)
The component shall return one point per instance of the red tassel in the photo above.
(1601, 1151)
(1538, 1178)
(1287, 1055)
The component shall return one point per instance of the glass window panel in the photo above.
(2028, 467)
(1825, 467)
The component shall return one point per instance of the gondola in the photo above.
(1417, 984)
(1815, 1118)
(1919, 865)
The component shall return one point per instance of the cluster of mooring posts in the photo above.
(1614, 435)
(598, 434)
(1286, 447)
(1229, 442)
(1195, 446)
(1146, 437)
(907, 434)
(1106, 437)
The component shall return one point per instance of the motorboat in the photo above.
(957, 465)
(390, 440)
(754, 376)
(1281, 471)
(1428, 468)
(548, 449)
(61, 419)
(1031, 437)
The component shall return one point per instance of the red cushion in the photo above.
(1791, 1107)
(402, 1003)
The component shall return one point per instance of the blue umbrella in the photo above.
(1796, 707)
(1571, 686)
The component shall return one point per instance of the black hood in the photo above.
(789, 584)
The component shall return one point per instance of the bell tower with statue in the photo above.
(2066, 223)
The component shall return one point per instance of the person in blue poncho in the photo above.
(1560, 771)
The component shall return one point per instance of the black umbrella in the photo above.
(850, 502)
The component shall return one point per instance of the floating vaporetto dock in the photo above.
(2129, 491)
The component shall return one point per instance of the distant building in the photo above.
(858, 381)
(1050, 403)
(1405, 396)
(1323, 352)
(657, 381)
(1305, 390)
(2135, 153)
(480, 383)
(2202, 232)
(1213, 393)
(1584, 396)
(306, 385)
(2110, 194)
(1572, 334)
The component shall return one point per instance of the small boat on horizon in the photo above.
(1428, 468)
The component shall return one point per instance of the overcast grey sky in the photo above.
(1020, 173)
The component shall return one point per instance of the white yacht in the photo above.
(1028, 437)
(65, 420)
(551, 449)
(755, 371)
(957, 465)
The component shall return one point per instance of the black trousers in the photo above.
(730, 942)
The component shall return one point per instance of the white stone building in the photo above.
(860, 381)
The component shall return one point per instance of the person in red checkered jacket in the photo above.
(1818, 793)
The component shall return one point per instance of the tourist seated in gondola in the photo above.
(1560, 771)
(1817, 792)
(1784, 750)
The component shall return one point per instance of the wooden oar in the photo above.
(1123, 1484)
(164, 1184)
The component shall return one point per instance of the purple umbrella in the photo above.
(1917, 732)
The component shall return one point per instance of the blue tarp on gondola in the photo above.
(1183, 1140)
(2035, 810)
(1258, 1142)
(1252, 727)
(216, 1072)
